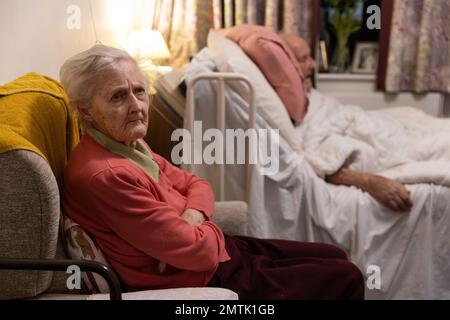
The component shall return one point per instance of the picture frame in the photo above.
(365, 59)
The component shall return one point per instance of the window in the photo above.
(342, 26)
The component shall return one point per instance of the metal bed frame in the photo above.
(220, 78)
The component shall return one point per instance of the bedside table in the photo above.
(162, 121)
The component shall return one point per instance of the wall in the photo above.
(361, 90)
(35, 36)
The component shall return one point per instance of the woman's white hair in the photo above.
(79, 74)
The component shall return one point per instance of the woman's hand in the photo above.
(194, 217)
(389, 192)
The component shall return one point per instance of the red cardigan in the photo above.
(136, 222)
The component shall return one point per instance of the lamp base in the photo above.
(153, 71)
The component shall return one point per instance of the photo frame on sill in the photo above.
(365, 59)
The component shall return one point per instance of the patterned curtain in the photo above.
(419, 51)
(291, 16)
(184, 24)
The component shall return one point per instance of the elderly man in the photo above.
(389, 192)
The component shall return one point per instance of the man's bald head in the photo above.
(302, 53)
(294, 41)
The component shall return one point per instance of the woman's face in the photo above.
(119, 107)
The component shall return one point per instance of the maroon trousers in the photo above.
(280, 269)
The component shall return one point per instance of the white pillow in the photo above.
(229, 57)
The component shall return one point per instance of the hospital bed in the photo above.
(402, 255)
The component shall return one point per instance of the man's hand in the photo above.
(390, 193)
(194, 217)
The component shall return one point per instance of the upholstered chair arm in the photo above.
(231, 216)
(62, 265)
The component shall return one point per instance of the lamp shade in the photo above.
(145, 43)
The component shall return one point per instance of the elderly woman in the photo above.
(152, 220)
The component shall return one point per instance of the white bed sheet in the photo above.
(411, 250)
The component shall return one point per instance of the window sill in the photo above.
(346, 77)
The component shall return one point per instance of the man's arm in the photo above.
(389, 192)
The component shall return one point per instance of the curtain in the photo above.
(184, 24)
(418, 56)
(290, 16)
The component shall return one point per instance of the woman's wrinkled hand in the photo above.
(193, 217)
(389, 192)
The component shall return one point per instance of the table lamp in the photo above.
(149, 49)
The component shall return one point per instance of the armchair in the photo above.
(37, 134)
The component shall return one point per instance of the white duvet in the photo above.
(411, 250)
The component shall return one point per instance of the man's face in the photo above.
(302, 54)
(120, 106)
